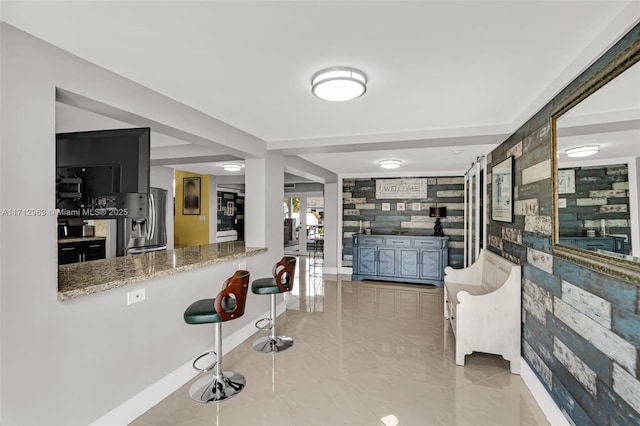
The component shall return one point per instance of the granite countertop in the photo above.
(80, 279)
(79, 239)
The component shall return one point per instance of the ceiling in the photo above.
(441, 74)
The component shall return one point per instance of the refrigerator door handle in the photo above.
(151, 218)
(155, 217)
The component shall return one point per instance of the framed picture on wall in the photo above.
(191, 195)
(566, 181)
(502, 191)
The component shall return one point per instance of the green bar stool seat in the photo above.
(282, 282)
(228, 305)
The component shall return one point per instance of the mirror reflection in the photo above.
(598, 144)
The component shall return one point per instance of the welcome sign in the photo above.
(401, 188)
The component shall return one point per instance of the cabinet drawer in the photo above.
(398, 242)
(427, 243)
(370, 241)
(94, 250)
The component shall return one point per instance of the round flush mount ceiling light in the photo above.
(232, 167)
(339, 84)
(583, 151)
(389, 164)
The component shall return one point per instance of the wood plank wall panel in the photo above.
(359, 203)
(581, 329)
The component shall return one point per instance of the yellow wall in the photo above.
(189, 230)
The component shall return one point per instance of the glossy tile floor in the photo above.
(365, 353)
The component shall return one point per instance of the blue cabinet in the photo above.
(608, 243)
(412, 259)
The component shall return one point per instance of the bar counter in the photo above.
(80, 279)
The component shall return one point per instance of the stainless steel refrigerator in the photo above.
(141, 235)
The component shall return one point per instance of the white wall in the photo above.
(332, 235)
(255, 225)
(71, 362)
(162, 177)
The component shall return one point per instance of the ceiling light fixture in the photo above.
(390, 164)
(583, 151)
(339, 84)
(232, 167)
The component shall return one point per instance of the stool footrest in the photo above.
(268, 326)
(209, 368)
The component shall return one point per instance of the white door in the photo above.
(475, 194)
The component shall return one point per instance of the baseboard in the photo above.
(137, 405)
(345, 270)
(330, 270)
(542, 397)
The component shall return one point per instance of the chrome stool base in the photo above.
(269, 344)
(211, 389)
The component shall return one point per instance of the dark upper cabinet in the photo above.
(103, 174)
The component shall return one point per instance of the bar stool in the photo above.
(228, 305)
(282, 282)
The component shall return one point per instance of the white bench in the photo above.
(482, 303)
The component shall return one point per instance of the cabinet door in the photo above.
(408, 263)
(367, 261)
(94, 250)
(68, 253)
(387, 262)
(431, 264)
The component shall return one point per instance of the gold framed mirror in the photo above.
(596, 198)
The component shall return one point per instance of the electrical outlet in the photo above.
(242, 265)
(136, 296)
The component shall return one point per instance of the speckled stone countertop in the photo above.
(80, 279)
(79, 239)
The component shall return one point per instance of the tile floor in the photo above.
(365, 353)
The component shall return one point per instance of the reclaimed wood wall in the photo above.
(359, 203)
(601, 192)
(581, 328)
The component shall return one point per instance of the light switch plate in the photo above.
(242, 266)
(203, 218)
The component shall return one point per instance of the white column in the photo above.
(331, 231)
(213, 209)
(255, 201)
(302, 242)
(271, 210)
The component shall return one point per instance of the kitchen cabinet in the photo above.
(412, 259)
(80, 251)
